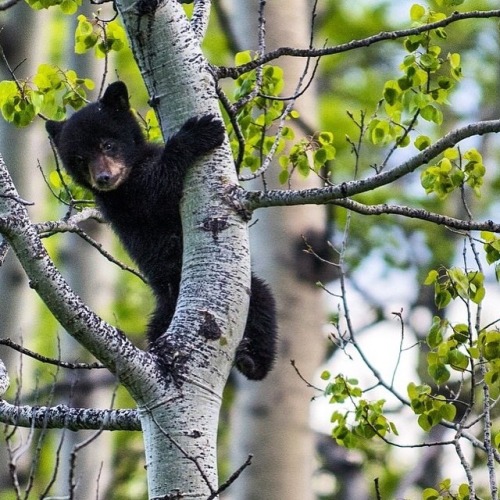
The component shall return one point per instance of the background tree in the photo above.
(402, 81)
(281, 440)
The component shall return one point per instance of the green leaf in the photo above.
(288, 133)
(442, 298)
(463, 489)
(460, 333)
(242, 58)
(425, 422)
(379, 131)
(320, 157)
(441, 33)
(405, 83)
(325, 138)
(430, 494)
(412, 43)
(417, 12)
(391, 92)
(429, 62)
(432, 114)
(436, 332)
(422, 142)
(448, 412)
(458, 360)
(283, 177)
(454, 60)
(445, 83)
(439, 373)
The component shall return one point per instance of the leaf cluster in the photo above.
(431, 409)
(259, 110)
(445, 492)
(491, 245)
(309, 154)
(352, 428)
(49, 93)
(103, 37)
(67, 6)
(453, 346)
(454, 170)
(427, 81)
(455, 282)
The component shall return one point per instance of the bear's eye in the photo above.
(108, 147)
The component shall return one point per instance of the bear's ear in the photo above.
(116, 97)
(54, 128)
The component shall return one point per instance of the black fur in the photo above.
(138, 187)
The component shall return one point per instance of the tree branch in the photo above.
(8, 4)
(70, 225)
(225, 72)
(50, 361)
(201, 15)
(417, 213)
(74, 419)
(251, 200)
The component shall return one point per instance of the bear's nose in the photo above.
(103, 178)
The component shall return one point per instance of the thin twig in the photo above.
(44, 359)
(8, 4)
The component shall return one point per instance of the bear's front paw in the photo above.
(205, 133)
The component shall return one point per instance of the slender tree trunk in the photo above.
(93, 279)
(271, 419)
(19, 305)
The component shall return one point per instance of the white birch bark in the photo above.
(179, 421)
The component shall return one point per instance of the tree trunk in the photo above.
(19, 305)
(179, 416)
(93, 279)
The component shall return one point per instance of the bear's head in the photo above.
(99, 144)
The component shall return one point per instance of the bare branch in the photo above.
(50, 361)
(73, 456)
(68, 224)
(235, 475)
(8, 4)
(418, 213)
(258, 70)
(308, 384)
(234, 73)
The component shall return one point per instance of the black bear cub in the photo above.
(138, 186)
